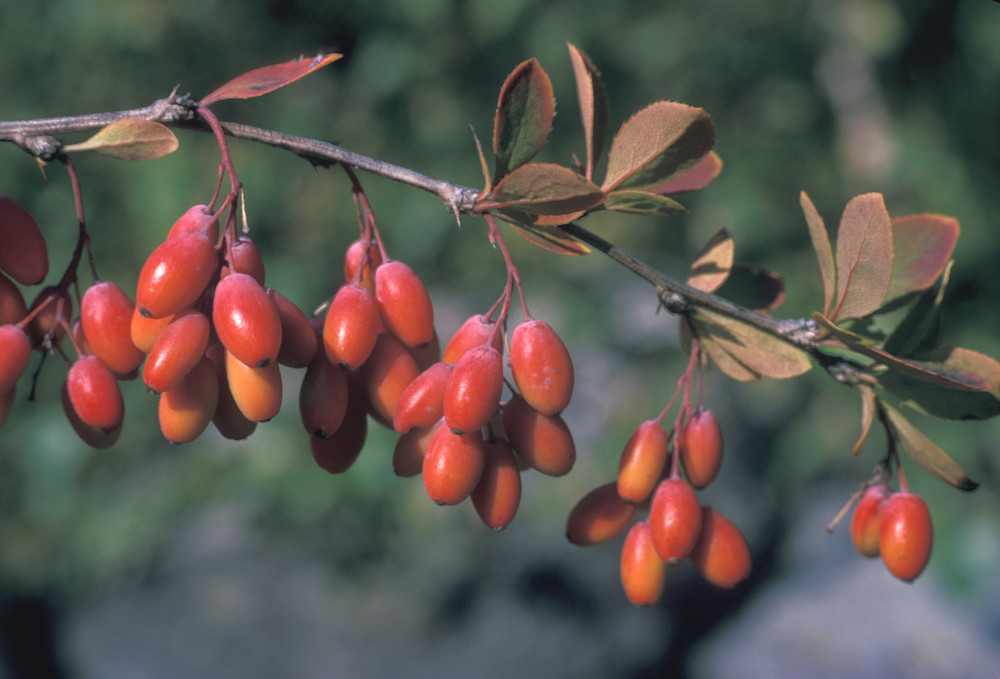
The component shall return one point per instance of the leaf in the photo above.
(950, 403)
(922, 321)
(723, 360)
(824, 253)
(643, 203)
(922, 247)
(712, 265)
(593, 105)
(757, 350)
(130, 140)
(551, 238)
(524, 116)
(867, 415)
(925, 453)
(657, 144)
(543, 188)
(753, 287)
(698, 177)
(864, 257)
(268, 78)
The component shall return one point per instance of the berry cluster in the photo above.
(677, 525)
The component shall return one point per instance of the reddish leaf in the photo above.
(922, 246)
(824, 252)
(130, 140)
(268, 78)
(864, 257)
(657, 144)
(524, 116)
(711, 267)
(926, 453)
(543, 188)
(593, 106)
(868, 407)
(698, 177)
(552, 238)
(754, 288)
(643, 203)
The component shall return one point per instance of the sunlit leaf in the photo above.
(951, 404)
(552, 238)
(593, 106)
(922, 247)
(268, 78)
(863, 257)
(657, 144)
(759, 351)
(524, 116)
(723, 360)
(922, 321)
(543, 188)
(753, 287)
(698, 177)
(712, 265)
(130, 140)
(925, 453)
(643, 203)
(867, 415)
(824, 252)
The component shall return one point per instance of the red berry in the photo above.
(476, 331)
(338, 451)
(12, 305)
(351, 327)
(472, 394)
(386, 374)
(498, 494)
(323, 397)
(642, 461)
(906, 535)
(599, 516)
(352, 260)
(23, 253)
(56, 309)
(541, 367)
(197, 218)
(176, 351)
(721, 554)
(699, 445)
(106, 314)
(421, 404)
(544, 442)
(408, 454)
(93, 436)
(94, 393)
(866, 523)
(176, 274)
(674, 519)
(15, 351)
(642, 570)
(246, 259)
(298, 337)
(246, 320)
(404, 304)
(229, 421)
(453, 465)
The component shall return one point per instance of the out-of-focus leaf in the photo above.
(925, 453)
(657, 144)
(753, 287)
(524, 116)
(867, 415)
(921, 321)
(950, 403)
(643, 203)
(922, 247)
(824, 252)
(130, 140)
(268, 78)
(698, 177)
(552, 238)
(593, 106)
(757, 350)
(712, 265)
(543, 188)
(864, 257)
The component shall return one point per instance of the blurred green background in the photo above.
(244, 559)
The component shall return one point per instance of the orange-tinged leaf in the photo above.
(925, 453)
(643, 203)
(130, 140)
(922, 247)
(268, 78)
(757, 350)
(864, 257)
(867, 415)
(657, 144)
(725, 361)
(593, 106)
(824, 252)
(543, 188)
(712, 265)
(524, 116)
(698, 177)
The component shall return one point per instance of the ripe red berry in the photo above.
(106, 315)
(721, 554)
(246, 320)
(498, 494)
(351, 327)
(699, 444)
(338, 451)
(453, 465)
(186, 410)
(541, 367)
(323, 397)
(197, 218)
(642, 570)
(175, 274)
(906, 535)
(674, 519)
(298, 337)
(866, 523)
(94, 393)
(12, 305)
(352, 260)
(93, 436)
(246, 259)
(408, 454)
(472, 394)
(642, 461)
(176, 351)
(23, 253)
(386, 374)
(15, 352)
(544, 442)
(403, 303)
(599, 516)
(476, 331)
(421, 404)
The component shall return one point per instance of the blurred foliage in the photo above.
(834, 98)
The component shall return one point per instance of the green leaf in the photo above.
(268, 78)
(753, 287)
(549, 237)
(864, 257)
(657, 144)
(130, 140)
(922, 320)
(545, 189)
(711, 267)
(824, 252)
(925, 453)
(868, 407)
(950, 403)
(643, 203)
(593, 105)
(757, 350)
(698, 177)
(922, 246)
(524, 116)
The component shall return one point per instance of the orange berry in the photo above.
(599, 516)
(23, 253)
(674, 519)
(186, 410)
(106, 315)
(257, 391)
(403, 303)
(351, 327)
(386, 375)
(453, 465)
(421, 404)
(15, 352)
(246, 320)
(642, 461)
(94, 393)
(866, 522)
(323, 397)
(906, 535)
(699, 445)
(541, 367)
(721, 554)
(472, 394)
(229, 421)
(176, 351)
(498, 494)
(544, 442)
(642, 570)
(176, 274)
(476, 331)
(145, 331)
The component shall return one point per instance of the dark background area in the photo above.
(244, 559)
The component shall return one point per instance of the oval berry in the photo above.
(599, 516)
(323, 397)
(175, 274)
(699, 445)
(866, 522)
(246, 320)
(386, 374)
(409, 451)
(906, 535)
(642, 570)
(145, 331)
(256, 390)
(351, 327)
(95, 437)
(13, 308)
(176, 351)
(541, 367)
(421, 404)
(94, 393)
(229, 421)
(298, 337)
(56, 308)
(15, 352)
(352, 261)
(475, 331)
(106, 314)
(453, 465)
(642, 461)
(23, 253)
(245, 258)
(338, 451)
(197, 218)
(404, 303)
(674, 519)
(472, 395)
(544, 442)
(721, 554)
(186, 410)
(498, 494)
